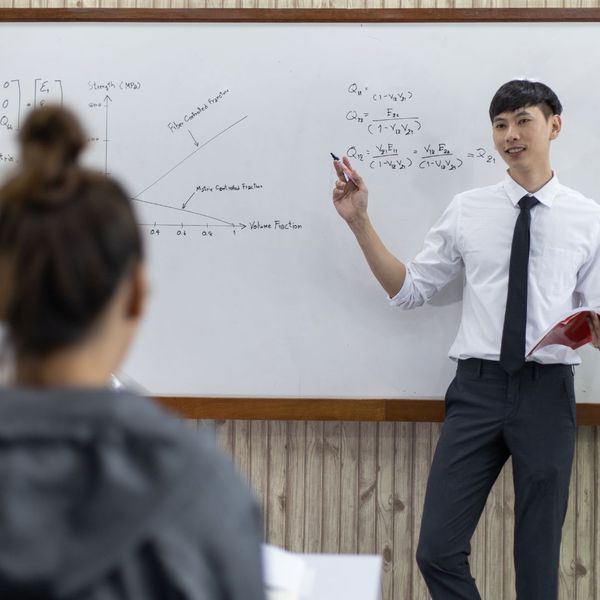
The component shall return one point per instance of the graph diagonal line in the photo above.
(214, 137)
(188, 212)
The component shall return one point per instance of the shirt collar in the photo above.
(545, 195)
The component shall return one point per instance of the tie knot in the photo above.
(528, 202)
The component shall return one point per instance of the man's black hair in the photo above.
(521, 93)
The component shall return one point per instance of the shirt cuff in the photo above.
(404, 294)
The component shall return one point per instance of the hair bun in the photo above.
(51, 141)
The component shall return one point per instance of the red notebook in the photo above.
(572, 330)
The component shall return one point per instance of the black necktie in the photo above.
(512, 350)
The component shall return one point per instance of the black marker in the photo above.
(345, 169)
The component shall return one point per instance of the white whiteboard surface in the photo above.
(222, 134)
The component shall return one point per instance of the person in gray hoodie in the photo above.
(103, 495)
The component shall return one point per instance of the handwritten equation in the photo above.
(391, 121)
(18, 97)
(390, 95)
(431, 156)
(393, 114)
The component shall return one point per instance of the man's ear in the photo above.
(556, 126)
(138, 292)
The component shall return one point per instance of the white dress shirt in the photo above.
(475, 233)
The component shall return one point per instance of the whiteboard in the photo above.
(221, 134)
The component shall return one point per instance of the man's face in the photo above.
(522, 138)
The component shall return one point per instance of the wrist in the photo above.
(359, 223)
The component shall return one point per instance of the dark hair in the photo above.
(68, 236)
(521, 93)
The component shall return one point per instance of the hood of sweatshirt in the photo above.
(83, 474)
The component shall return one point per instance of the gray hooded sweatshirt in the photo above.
(105, 496)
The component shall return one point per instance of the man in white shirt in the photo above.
(530, 249)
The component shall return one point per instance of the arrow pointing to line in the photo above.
(195, 142)
(186, 202)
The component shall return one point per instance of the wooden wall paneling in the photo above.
(385, 505)
(596, 532)
(241, 448)
(224, 434)
(568, 549)
(296, 472)
(391, 461)
(367, 488)
(372, 478)
(405, 4)
(477, 557)
(277, 495)
(508, 534)
(332, 482)
(585, 498)
(267, 4)
(340, 4)
(422, 455)
(259, 466)
(349, 487)
(313, 487)
(404, 561)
